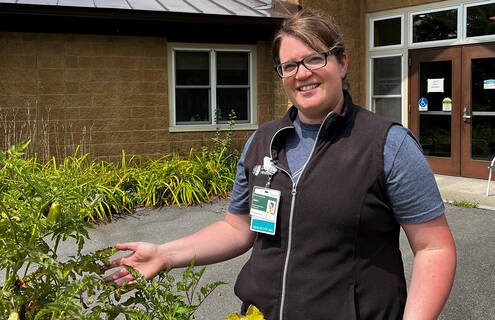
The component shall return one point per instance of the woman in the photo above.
(345, 181)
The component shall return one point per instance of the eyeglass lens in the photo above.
(311, 62)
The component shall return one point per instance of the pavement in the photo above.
(472, 295)
(460, 189)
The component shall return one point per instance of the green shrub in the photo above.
(43, 204)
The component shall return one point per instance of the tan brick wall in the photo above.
(350, 17)
(271, 95)
(379, 5)
(105, 93)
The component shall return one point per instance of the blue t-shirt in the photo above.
(410, 183)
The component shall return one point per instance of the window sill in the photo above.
(222, 127)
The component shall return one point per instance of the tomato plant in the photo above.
(42, 205)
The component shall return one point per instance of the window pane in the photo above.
(387, 32)
(482, 94)
(435, 124)
(441, 25)
(192, 105)
(232, 68)
(389, 108)
(229, 99)
(483, 138)
(192, 68)
(435, 70)
(434, 134)
(481, 20)
(387, 76)
(483, 107)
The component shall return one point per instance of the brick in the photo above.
(81, 75)
(18, 88)
(22, 61)
(154, 123)
(162, 135)
(51, 101)
(80, 47)
(17, 101)
(147, 100)
(72, 87)
(51, 74)
(144, 136)
(19, 74)
(110, 100)
(155, 75)
(51, 87)
(100, 137)
(52, 61)
(71, 61)
(142, 112)
(50, 48)
(116, 75)
(95, 87)
(153, 62)
(16, 114)
(78, 100)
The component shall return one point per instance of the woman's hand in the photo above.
(217, 242)
(145, 258)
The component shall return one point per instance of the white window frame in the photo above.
(408, 12)
(371, 82)
(464, 22)
(437, 42)
(212, 48)
(372, 32)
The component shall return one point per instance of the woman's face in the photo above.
(314, 93)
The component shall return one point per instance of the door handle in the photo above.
(465, 116)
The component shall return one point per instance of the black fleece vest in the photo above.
(336, 256)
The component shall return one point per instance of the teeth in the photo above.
(309, 87)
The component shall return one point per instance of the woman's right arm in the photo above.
(217, 242)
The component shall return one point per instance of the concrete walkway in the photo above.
(466, 189)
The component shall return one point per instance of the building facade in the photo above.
(160, 79)
(429, 65)
(148, 77)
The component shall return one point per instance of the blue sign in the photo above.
(423, 104)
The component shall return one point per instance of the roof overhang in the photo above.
(173, 25)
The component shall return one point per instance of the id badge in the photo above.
(264, 209)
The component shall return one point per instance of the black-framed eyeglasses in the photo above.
(312, 62)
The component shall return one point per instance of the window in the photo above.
(386, 32)
(435, 26)
(386, 89)
(480, 20)
(209, 84)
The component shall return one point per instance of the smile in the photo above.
(308, 87)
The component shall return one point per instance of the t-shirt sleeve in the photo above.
(239, 200)
(410, 183)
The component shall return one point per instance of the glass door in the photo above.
(434, 106)
(478, 104)
(452, 107)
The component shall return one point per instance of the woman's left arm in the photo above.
(433, 269)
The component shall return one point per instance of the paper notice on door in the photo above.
(489, 84)
(435, 85)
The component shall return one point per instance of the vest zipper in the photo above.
(291, 214)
